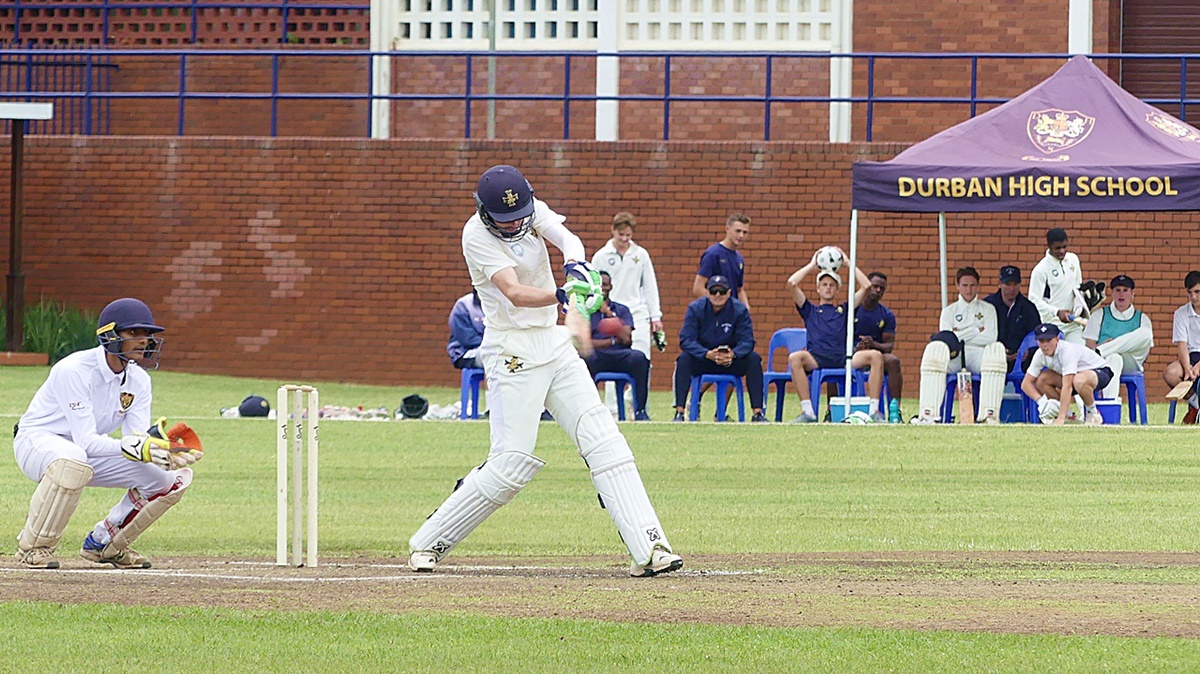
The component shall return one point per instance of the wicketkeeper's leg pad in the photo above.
(54, 501)
(993, 369)
(482, 492)
(619, 484)
(145, 515)
(935, 362)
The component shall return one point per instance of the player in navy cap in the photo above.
(1016, 316)
(62, 442)
(531, 363)
(1120, 333)
(1060, 370)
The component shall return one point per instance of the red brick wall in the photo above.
(329, 259)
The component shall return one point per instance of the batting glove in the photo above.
(584, 272)
(147, 449)
(589, 302)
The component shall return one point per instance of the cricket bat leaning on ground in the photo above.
(966, 398)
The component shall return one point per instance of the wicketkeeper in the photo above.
(62, 443)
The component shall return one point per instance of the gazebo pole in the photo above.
(942, 253)
(850, 310)
(14, 307)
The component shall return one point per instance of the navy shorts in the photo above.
(829, 363)
(1104, 377)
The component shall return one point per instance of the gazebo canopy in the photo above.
(1075, 142)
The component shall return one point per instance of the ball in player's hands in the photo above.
(610, 326)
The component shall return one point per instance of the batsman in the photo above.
(966, 342)
(531, 362)
(62, 443)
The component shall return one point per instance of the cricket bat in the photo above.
(1181, 390)
(580, 328)
(966, 398)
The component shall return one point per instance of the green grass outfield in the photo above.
(719, 489)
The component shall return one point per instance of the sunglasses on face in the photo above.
(718, 291)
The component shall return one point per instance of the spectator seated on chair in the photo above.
(614, 353)
(826, 325)
(1120, 333)
(1185, 334)
(717, 337)
(466, 332)
(970, 324)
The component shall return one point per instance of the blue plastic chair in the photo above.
(792, 339)
(1135, 397)
(621, 380)
(471, 376)
(837, 375)
(720, 382)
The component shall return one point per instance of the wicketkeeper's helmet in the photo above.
(128, 313)
(503, 195)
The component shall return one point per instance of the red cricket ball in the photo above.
(610, 326)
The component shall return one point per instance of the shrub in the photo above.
(55, 328)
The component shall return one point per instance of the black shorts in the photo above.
(1104, 377)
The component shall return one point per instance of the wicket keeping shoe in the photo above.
(422, 561)
(38, 558)
(120, 559)
(661, 561)
(805, 418)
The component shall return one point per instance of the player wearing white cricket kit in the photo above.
(633, 280)
(62, 443)
(1061, 369)
(1054, 286)
(530, 364)
(1120, 333)
(972, 320)
(633, 284)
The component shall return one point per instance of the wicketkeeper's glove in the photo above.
(147, 449)
(185, 445)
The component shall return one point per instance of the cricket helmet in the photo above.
(503, 195)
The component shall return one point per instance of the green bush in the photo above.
(55, 328)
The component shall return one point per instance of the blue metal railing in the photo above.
(97, 67)
(195, 10)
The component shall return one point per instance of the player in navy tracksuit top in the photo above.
(711, 323)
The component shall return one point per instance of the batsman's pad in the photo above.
(934, 364)
(619, 484)
(53, 503)
(993, 369)
(1116, 363)
(482, 492)
(149, 513)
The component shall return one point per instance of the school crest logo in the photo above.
(126, 401)
(518, 249)
(510, 198)
(1055, 130)
(513, 364)
(1172, 127)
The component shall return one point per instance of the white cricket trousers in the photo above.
(528, 370)
(36, 450)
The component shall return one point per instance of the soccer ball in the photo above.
(829, 258)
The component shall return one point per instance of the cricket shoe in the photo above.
(661, 561)
(805, 418)
(120, 559)
(1190, 417)
(422, 561)
(921, 420)
(1093, 419)
(41, 557)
